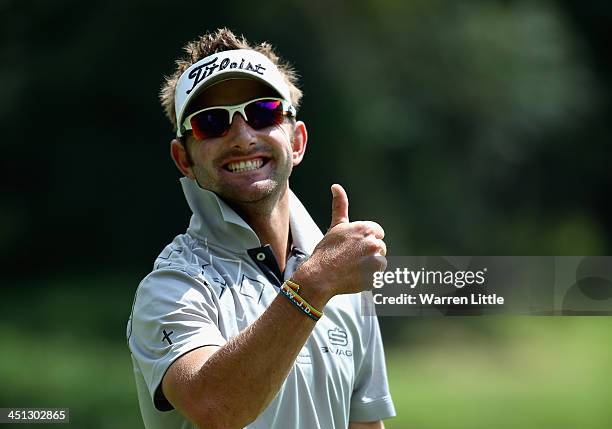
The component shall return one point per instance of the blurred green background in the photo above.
(466, 128)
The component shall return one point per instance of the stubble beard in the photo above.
(264, 192)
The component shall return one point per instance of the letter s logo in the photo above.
(337, 337)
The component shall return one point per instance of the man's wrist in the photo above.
(315, 292)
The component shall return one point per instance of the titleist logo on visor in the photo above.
(201, 72)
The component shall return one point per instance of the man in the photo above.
(252, 318)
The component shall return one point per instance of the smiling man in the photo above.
(252, 317)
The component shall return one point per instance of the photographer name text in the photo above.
(431, 299)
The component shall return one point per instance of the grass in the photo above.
(92, 378)
(533, 373)
(67, 349)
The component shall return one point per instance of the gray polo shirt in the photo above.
(212, 282)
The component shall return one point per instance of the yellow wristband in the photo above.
(289, 291)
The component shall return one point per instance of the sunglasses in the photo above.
(216, 121)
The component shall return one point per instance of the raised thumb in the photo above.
(340, 206)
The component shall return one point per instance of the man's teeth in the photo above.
(251, 164)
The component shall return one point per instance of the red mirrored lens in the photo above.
(264, 113)
(210, 123)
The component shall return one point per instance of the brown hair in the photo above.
(222, 39)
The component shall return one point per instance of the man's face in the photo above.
(273, 150)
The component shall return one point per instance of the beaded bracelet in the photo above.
(289, 290)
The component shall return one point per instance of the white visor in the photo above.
(237, 63)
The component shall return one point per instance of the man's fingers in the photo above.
(339, 206)
(383, 248)
(375, 263)
(371, 228)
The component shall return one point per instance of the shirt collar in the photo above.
(214, 221)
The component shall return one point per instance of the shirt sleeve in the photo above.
(173, 313)
(371, 400)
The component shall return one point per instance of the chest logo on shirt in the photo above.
(337, 337)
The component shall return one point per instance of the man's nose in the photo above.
(240, 133)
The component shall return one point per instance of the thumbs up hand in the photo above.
(347, 256)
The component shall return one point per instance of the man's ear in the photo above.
(181, 158)
(299, 141)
